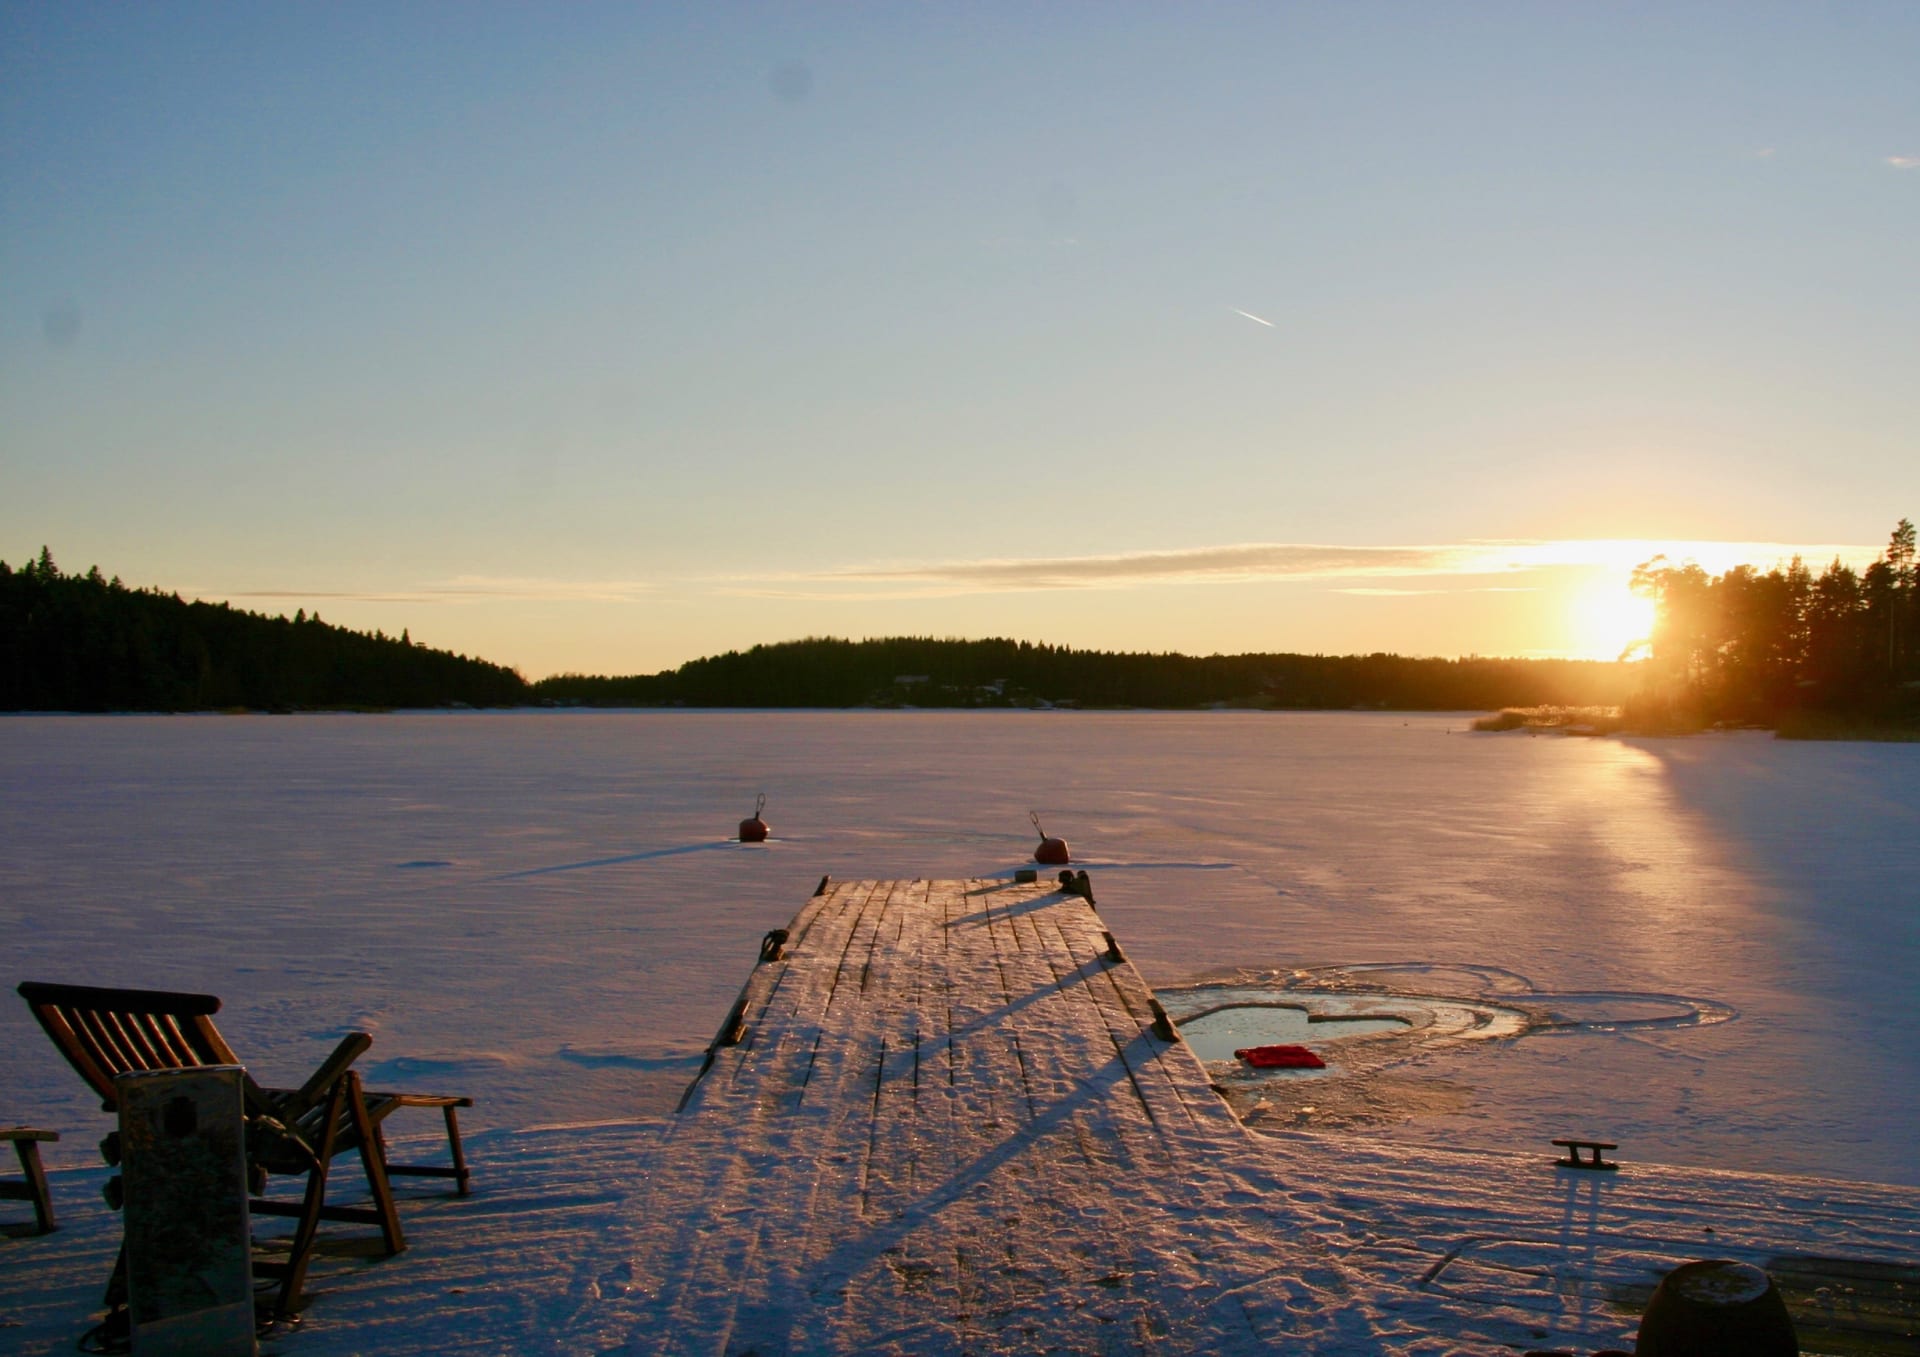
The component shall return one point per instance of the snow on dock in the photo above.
(940, 1120)
(949, 1124)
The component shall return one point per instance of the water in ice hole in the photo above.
(1218, 1034)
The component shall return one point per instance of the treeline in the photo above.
(1786, 648)
(85, 643)
(923, 672)
(1743, 647)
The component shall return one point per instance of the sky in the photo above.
(598, 338)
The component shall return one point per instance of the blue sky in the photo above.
(601, 337)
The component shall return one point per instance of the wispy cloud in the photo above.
(1250, 316)
(1260, 560)
(1379, 571)
(544, 590)
(464, 588)
(1904, 162)
(1453, 567)
(1363, 591)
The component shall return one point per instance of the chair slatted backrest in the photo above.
(109, 1032)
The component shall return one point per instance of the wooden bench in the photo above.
(32, 1187)
(1574, 1161)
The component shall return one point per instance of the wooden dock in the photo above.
(946, 1123)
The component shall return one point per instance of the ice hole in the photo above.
(1218, 1033)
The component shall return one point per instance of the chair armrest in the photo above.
(292, 1106)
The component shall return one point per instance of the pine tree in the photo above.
(1899, 558)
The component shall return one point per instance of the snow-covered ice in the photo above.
(1711, 945)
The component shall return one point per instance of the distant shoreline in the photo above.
(1514, 721)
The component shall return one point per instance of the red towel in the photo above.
(1280, 1058)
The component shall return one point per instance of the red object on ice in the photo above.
(755, 830)
(1051, 852)
(1280, 1058)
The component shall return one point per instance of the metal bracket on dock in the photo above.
(1162, 1024)
(735, 1027)
(1114, 955)
(773, 946)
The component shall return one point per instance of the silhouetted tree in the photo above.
(1899, 559)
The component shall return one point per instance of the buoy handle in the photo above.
(759, 804)
(1034, 816)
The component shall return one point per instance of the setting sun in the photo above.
(1607, 620)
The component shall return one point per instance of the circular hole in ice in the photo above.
(1218, 1033)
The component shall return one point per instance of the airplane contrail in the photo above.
(1250, 316)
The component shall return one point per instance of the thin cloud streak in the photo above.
(1361, 591)
(1250, 316)
(904, 593)
(466, 589)
(1278, 561)
(1422, 569)
(1240, 562)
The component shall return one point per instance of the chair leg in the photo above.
(316, 1196)
(373, 1158)
(35, 1189)
(460, 1174)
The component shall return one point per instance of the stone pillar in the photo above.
(184, 1168)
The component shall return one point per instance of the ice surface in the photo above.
(1710, 944)
(544, 909)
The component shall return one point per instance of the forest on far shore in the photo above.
(1834, 653)
(924, 672)
(88, 643)
(1837, 653)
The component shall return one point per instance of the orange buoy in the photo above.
(755, 829)
(1052, 852)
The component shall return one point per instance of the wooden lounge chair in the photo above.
(108, 1032)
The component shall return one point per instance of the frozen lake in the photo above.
(1709, 948)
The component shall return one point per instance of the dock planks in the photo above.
(947, 1126)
